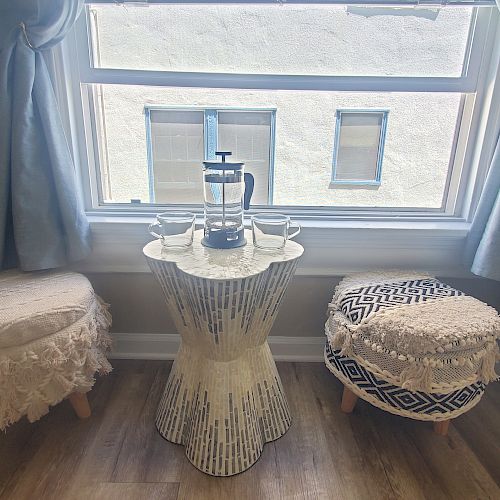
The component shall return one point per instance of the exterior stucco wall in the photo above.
(416, 154)
(421, 126)
(287, 39)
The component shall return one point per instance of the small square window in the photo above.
(359, 147)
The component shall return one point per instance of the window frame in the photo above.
(380, 152)
(472, 85)
(210, 136)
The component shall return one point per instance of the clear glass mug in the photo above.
(271, 231)
(174, 229)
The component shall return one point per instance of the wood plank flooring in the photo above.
(118, 454)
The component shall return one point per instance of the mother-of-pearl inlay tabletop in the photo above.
(222, 264)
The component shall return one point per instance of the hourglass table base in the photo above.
(223, 412)
(223, 399)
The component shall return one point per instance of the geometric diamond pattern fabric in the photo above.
(407, 403)
(358, 303)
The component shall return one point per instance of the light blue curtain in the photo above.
(41, 217)
(482, 249)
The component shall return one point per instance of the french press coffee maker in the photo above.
(227, 190)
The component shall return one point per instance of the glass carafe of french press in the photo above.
(227, 189)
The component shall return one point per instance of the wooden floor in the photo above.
(117, 453)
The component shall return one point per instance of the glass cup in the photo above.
(271, 231)
(174, 229)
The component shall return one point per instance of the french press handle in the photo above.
(249, 185)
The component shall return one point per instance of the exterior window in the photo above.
(359, 147)
(204, 83)
(250, 137)
(175, 153)
(180, 139)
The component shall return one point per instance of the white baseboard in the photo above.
(165, 346)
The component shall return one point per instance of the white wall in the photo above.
(302, 314)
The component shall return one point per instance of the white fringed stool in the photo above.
(411, 345)
(53, 339)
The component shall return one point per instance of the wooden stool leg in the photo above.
(348, 400)
(441, 427)
(80, 404)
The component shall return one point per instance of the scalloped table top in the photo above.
(222, 264)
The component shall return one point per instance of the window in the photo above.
(179, 140)
(359, 147)
(250, 135)
(216, 75)
(176, 151)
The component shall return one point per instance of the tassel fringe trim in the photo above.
(44, 372)
(419, 375)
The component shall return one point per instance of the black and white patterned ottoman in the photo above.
(411, 345)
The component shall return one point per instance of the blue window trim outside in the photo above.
(272, 152)
(149, 148)
(210, 133)
(380, 155)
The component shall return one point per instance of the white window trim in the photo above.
(335, 241)
(461, 84)
(465, 84)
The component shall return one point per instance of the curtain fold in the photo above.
(482, 248)
(41, 216)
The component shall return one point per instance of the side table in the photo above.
(223, 399)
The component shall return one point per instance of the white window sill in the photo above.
(382, 222)
(332, 247)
